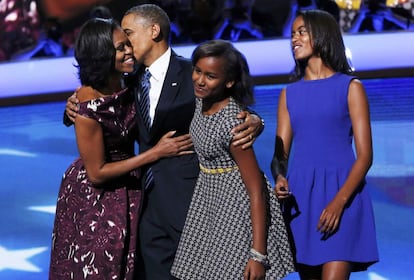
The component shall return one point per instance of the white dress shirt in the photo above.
(158, 70)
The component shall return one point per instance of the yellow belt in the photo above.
(218, 170)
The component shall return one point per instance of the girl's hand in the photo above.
(282, 188)
(254, 271)
(331, 216)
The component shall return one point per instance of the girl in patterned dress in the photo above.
(96, 222)
(234, 228)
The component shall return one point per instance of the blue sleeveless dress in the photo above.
(320, 160)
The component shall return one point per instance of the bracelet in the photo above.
(263, 123)
(258, 257)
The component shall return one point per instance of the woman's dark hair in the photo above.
(236, 68)
(95, 52)
(327, 42)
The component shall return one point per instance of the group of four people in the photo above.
(194, 204)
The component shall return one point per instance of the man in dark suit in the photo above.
(172, 104)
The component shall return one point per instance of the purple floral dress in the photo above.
(95, 230)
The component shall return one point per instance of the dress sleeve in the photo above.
(228, 123)
(92, 108)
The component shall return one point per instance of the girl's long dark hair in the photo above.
(327, 42)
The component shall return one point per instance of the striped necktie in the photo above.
(144, 103)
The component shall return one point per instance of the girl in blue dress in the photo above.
(323, 192)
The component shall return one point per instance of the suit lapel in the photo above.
(169, 92)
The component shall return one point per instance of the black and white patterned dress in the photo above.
(217, 235)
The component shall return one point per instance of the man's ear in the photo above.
(156, 31)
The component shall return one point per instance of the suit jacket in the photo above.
(174, 177)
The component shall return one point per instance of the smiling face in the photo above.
(140, 33)
(210, 78)
(124, 60)
(301, 40)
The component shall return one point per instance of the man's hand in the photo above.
(72, 106)
(246, 133)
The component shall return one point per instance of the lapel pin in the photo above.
(174, 84)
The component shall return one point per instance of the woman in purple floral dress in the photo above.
(96, 222)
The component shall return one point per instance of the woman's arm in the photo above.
(359, 113)
(90, 142)
(254, 182)
(283, 143)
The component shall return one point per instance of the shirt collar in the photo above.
(159, 67)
